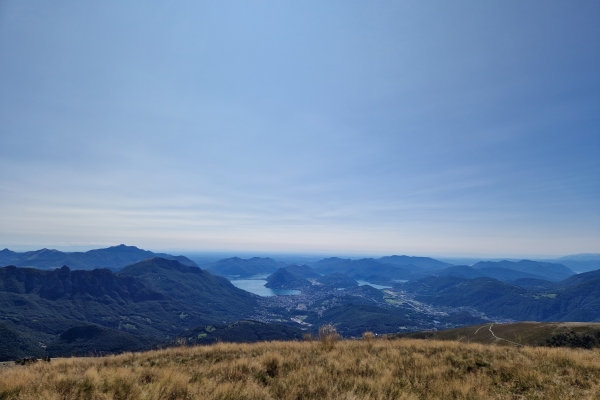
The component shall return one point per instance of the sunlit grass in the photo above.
(361, 369)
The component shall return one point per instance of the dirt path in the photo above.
(496, 337)
(499, 338)
(479, 329)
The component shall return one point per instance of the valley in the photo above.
(161, 301)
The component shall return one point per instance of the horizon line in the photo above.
(306, 253)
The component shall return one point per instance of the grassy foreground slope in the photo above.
(361, 369)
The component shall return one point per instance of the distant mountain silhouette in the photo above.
(581, 257)
(581, 262)
(113, 258)
(584, 262)
(240, 267)
(544, 270)
(424, 263)
(501, 274)
(303, 271)
(579, 279)
(363, 268)
(582, 266)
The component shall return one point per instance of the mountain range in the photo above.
(384, 269)
(367, 267)
(155, 298)
(113, 258)
(49, 302)
(501, 274)
(581, 262)
(158, 300)
(412, 268)
(537, 269)
(574, 299)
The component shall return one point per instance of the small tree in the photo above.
(368, 336)
(328, 336)
(308, 337)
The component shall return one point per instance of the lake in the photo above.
(257, 286)
(362, 283)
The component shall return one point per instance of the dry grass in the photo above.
(369, 369)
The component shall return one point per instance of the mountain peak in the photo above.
(283, 279)
(162, 263)
(114, 258)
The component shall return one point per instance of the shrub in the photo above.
(271, 364)
(308, 337)
(574, 340)
(328, 336)
(368, 336)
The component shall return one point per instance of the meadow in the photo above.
(371, 368)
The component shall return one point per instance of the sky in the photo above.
(462, 128)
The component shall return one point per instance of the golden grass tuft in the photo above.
(348, 369)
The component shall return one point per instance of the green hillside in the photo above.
(283, 279)
(337, 280)
(579, 302)
(43, 304)
(241, 332)
(303, 271)
(213, 297)
(553, 334)
(96, 340)
(15, 344)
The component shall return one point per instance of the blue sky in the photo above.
(425, 128)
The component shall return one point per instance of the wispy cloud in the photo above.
(294, 126)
